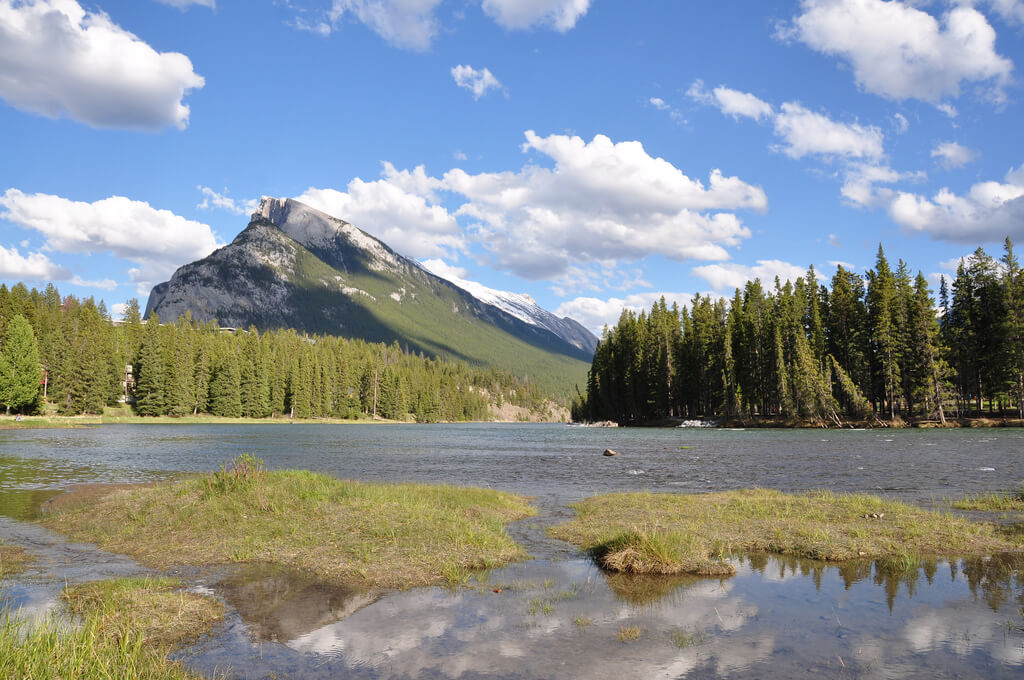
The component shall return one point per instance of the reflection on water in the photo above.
(775, 618)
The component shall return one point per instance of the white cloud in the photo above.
(213, 199)
(807, 132)
(443, 269)
(724, 278)
(860, 180)
(411, 24)
(601, 201)
(659, 103)
(731, 102)
(953, 155)
(988, 212)
(560, 15)
(157, 241)
(476, 81)
(595, 313)
(29, 267)
(901, 52)
(58, 59)
(804, 132)
(104, 284)
(460, 155)
(183, 4)
(901, 123)
(835, 241)
(1010, 10)
(396, 210)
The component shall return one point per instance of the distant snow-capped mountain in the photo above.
(526, 309)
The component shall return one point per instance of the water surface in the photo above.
(558, 616)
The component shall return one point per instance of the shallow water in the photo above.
(558, 616)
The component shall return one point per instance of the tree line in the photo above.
(68, 355)
(867, 346)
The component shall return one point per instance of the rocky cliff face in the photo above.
(296, 267)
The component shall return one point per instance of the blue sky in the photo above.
(590, 153)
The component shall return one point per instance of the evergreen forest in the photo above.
(867, 347)
(67, 355)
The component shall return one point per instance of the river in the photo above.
(557, 616)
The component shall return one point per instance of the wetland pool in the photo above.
(558, 616)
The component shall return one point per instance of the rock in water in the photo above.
(609, 452)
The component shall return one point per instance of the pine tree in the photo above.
(20, 372)
(151, 377)
(1013, 295)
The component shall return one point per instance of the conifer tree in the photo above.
(20, 373)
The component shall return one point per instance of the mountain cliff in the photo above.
(296, 267)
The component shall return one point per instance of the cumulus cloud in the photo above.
(476, 81)
(29, 267)
(989, 211)
(595, 313)
(183, 4)
(952, 155)
(803, 132)
(807, 132)
(861, 180)
(1010, 10)
(104, 284)
(443, 269)
(724, 278)
(731, 102)
(157, 241)
(396, 210)
(560, 15)
(413, 24)
(601, 201)
(214, 199)
(901, 123)
(57, 59)
(900, 52)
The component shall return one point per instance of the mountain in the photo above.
(526, 309)
(296, 267)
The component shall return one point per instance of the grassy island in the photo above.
(389, 535)
(127, 627)
(648, 533)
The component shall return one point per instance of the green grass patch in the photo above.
(994, 502)
(649, 533)
(13, 559)
(126, 628)
(391, 535)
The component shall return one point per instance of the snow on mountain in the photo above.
(519, 305)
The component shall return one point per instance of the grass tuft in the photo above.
(127, 629)
(155, 610)
(650, 533)
(993, 502)
(392, 535)
(13, 559)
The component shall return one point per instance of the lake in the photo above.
(558, 616)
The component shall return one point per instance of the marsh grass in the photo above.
(155, 610)
(629, 633)
(684, 639)
(993, 502)
(391, 535)
(13, 559)
(673, 534)
(125, 629)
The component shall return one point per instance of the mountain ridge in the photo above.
(296, 267)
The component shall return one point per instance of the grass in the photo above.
(390, 535)
(995, 502)
(647, 533)
(156, 610)
(127, 628)
(684, 638)
(13, 559)
(629, 633)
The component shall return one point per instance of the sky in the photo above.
(593, 154)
